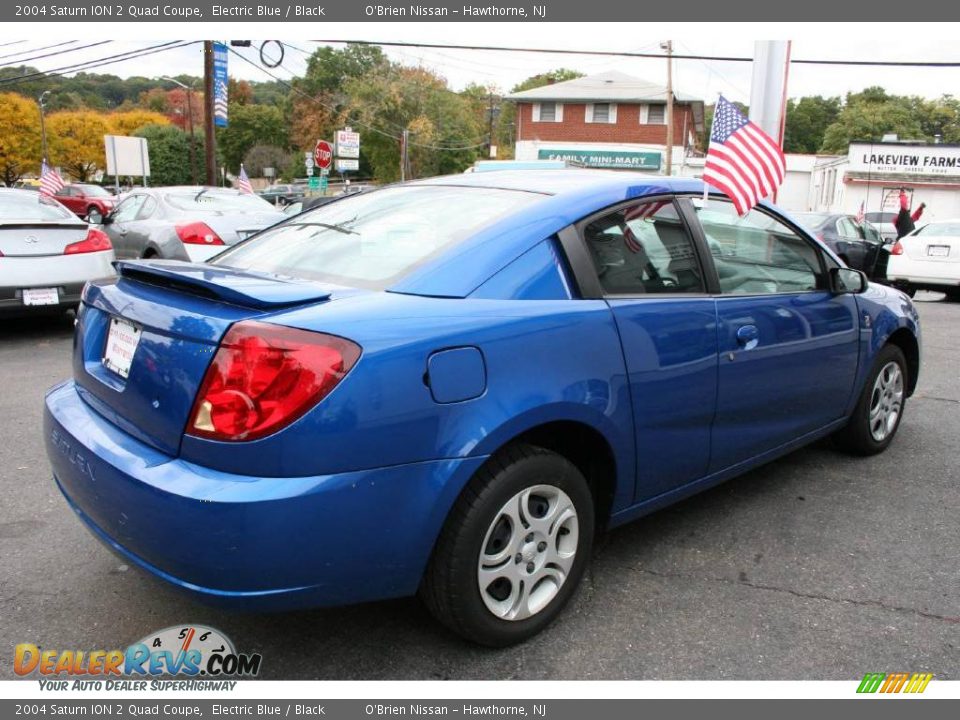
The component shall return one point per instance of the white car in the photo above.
(928, 259)
(47, 254)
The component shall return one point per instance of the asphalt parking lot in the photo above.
(818, 566)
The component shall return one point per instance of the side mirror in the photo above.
(847, 280)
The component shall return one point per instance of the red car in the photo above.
(88, 201)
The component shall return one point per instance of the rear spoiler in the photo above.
(237, 287)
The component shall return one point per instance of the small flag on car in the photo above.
(743, 161)
(861, 214)
(243, 182)
(50, 181)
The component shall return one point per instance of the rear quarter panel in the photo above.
(545, 360)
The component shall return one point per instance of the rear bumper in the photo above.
(67, 273)
(923, 273)
(251, 542)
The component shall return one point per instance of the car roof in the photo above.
(567, 196)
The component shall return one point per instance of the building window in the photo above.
(602, 113)
(653, 114)
(548, 112)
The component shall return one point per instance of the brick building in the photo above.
(609, 120)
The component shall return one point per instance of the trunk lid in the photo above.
(933, 248)
(37, 239)
(176, 313)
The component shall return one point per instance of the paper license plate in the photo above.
(41, 296)
(938, 250)
(122, 341)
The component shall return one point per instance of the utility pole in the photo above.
(43, 130)
(491, 152)
(193, 152)
(668, 46)
(210, 140)
(403, 154)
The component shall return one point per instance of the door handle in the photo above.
(748, 337)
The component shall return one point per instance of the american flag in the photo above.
(861, 214)
(639, 212)
(743, 162)
(220, 103)
(50, 180)
(243, 182)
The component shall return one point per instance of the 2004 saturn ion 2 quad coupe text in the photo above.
(450, 386)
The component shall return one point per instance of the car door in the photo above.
(119, 226)
(851, 245)
(67, 196)
(650, 272)
(788, 346)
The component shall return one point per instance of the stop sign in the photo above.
(323, 155)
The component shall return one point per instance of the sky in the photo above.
(503, 70)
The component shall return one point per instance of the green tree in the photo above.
(267, 156)
(807, 120)
(169, 151)
(869, 115)
(250, 125)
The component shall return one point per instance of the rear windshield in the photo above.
(811, 219)
(217, 201)
(93, 191)
(32, 207)
(944, 229)
(881, 217)
(372, 239)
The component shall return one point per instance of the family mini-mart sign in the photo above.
(608, 159)
(347, 144)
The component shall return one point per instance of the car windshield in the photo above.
(31, 207)
(944, 229)
(881, 217)
(216, 201)
(372, 239)
(93, 191)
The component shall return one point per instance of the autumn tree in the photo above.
(19, 137)
(444, 135)
(125, 123)
(267, 156)
(319, 97)
(75, 141)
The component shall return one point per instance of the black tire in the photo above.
(953, 295)
(451, 589)
(856, 437)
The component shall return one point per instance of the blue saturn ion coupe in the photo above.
(449, 386)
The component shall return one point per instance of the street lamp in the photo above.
(43, 130)
(193, 165)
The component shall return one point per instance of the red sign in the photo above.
(323, 155)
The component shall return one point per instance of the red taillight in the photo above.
(198, 233)
(897, 248)
(263, 377)
(95, 241)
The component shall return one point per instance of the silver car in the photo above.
(185, 223)
(47, 254)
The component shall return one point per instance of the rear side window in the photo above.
(372, 240)
(642, 249)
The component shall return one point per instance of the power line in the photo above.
(45, 47)
(108, 60)
(23, 61)
(659, 56)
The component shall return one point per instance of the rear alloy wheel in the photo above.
(880, 408)
(513, 549)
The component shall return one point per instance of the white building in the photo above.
(873, 173)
